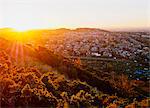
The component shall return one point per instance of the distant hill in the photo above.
(90, 29)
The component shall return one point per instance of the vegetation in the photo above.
(30, 87)
(38, 77)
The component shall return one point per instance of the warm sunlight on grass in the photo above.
(20, 36)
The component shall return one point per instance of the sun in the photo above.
(21, 35)
(20, 29)
(18, 35)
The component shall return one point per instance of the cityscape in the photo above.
(72, 68)
(74, 53)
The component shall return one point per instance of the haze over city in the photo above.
(107, 14)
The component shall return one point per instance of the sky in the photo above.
(35, 14)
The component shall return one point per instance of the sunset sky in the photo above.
(32, 14)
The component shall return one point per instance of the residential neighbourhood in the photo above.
(100, 44)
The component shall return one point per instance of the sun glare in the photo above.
(20, 29)
(18, 35)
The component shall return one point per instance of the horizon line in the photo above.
(73, 28)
